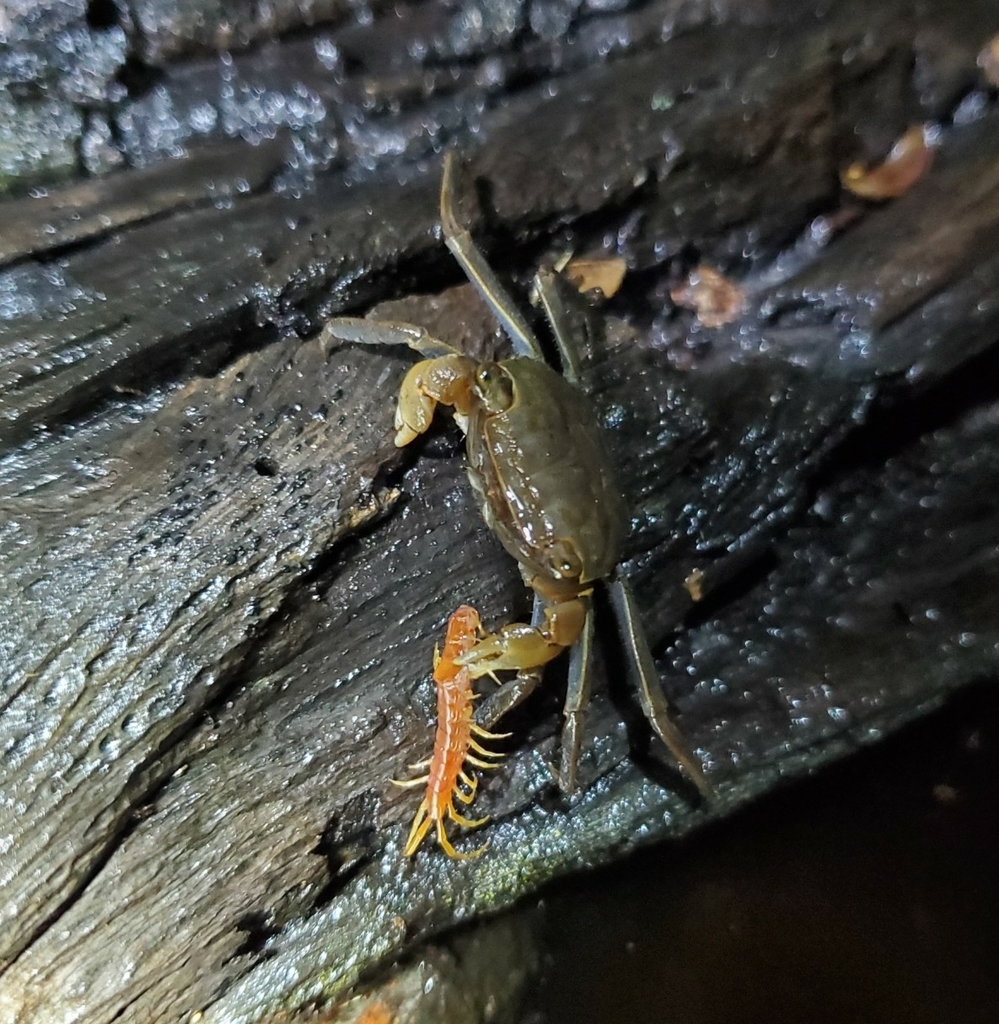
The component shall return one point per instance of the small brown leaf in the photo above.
(714, 298)
(906, 164)
(944, 794)
(694, 584)
(988, 61)
(605, 274)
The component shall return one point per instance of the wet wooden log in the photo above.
(222, 584)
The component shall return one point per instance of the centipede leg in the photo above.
(465, 822)
(479, 763)
(420, 827)
(448, 848)
(484, 751)
(410, 783)
(479, 731)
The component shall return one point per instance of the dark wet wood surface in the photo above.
(221, 583)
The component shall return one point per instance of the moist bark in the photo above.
(222, 584)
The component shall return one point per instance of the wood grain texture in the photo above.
(221, 584)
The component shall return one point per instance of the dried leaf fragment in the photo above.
(988, 61)
(605, 274)
(715, 299)
(944, 794)
(694, 584)
(907, 162)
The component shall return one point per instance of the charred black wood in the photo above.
(221, 584)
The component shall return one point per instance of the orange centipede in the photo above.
(455, 744)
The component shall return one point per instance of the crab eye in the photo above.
(494, 386)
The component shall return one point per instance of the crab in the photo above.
(545, 483)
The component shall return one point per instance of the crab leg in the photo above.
(511, 693)
(478, 271)
(577, 696)
(385, 332)
(547, 283)
(650, 693)
(651, 696)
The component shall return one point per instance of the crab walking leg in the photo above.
(477, 270)
(650, 693)
(577, 696)
(511, 693)
(359, 331)
(546, 283)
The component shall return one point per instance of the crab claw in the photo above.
(515, 647)
(415, 409)
(444, 379)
